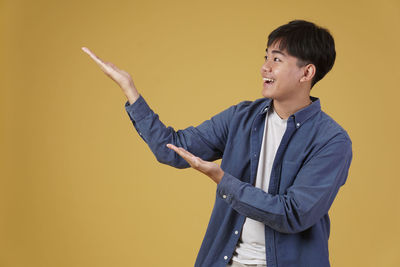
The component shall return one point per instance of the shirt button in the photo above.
(225, 257)
(224, 196)
(236, 232)
(298, 124)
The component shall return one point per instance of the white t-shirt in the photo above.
(251, 246)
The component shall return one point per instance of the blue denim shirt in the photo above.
(311, 164)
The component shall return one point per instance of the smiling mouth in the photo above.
(268, 80)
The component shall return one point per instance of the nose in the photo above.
(266, 67)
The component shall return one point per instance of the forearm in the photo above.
(157, 136)
(296, 210)
(300, 205)
(154, 132)
(272, 210)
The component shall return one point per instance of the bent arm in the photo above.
(206, 141)
(303, 203)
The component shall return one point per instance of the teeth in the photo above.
(268, 79)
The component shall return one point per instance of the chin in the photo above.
(270, 91)
(267, 93)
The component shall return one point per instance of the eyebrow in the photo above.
(276, 52)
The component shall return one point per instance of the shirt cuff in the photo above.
(138, 110)
(227, 187)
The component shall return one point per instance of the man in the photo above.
(283, 158)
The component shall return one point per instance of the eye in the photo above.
(275, 59)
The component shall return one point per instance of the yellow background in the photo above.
(79, 187)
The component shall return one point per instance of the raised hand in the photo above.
(210, 169)
(121, 77)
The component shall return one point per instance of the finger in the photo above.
(183, 153)
(174, 148)
(187, 153)
(94, 57)
(180, 150)
(194, 161)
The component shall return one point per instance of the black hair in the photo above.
(307, 42)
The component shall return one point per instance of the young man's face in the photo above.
(286, 75)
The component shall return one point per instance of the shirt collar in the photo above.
(301, 115)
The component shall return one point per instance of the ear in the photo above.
(309, 72)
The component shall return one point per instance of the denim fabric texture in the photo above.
(311, 164)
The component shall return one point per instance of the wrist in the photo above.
(219, 175)
(132, 96)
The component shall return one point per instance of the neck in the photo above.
(286, 108)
